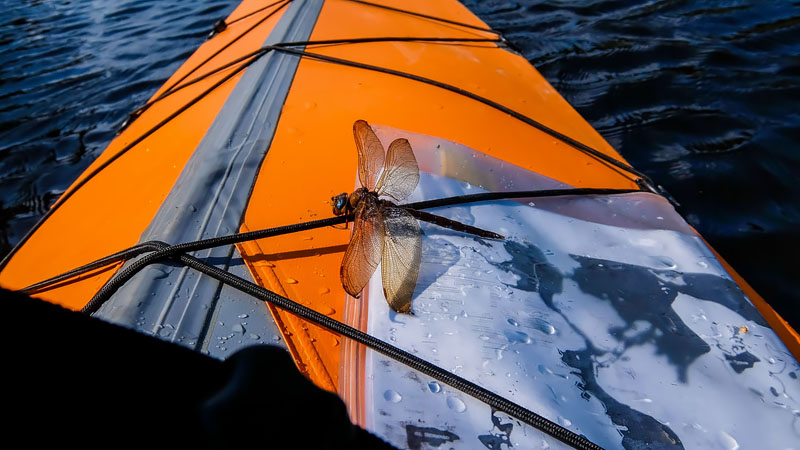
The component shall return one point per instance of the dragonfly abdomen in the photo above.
(452, 224)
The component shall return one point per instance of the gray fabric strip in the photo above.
(211, 194)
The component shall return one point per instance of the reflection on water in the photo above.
(702, 98)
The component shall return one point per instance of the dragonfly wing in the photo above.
(364, 252)
(401, 174)
(370, 154)
(402, 253)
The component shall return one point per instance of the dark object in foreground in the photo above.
(71, 378)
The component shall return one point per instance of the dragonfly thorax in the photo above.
(356, 197)
(345, 204)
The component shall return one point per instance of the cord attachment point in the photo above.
(648, 185)
(128, 120)
(218, 28)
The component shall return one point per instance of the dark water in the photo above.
(702, 96)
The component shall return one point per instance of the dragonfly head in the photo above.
(340, 204)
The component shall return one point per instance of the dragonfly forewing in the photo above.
(370, 154)
(402, 254)
(401, 174)
(366, 247)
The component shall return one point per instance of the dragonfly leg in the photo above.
(346, 223)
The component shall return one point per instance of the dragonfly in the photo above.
(385, 232)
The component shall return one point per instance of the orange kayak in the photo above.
(597, 309)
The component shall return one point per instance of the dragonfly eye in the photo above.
(339, 204)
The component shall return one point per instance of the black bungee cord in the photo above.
(245, 61)
(219, 241)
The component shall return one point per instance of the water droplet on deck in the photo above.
(327, 310)
(159, 274)
(728, 441)
(484, 337)
(243, 316)
(667, 262)
(435, 387)
(518, 337)
(291, 281)
(254, 336)
(513, 322)
(238, 328)
(456, 404)
(544, 326)
(323, 291)
(702, 264)
(392, 396)
(564, 421)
